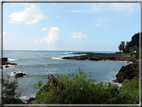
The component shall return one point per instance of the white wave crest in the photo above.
(68, 53)
(10, 66)
(12, 59)
(13, 73)
(23, 98)
(33, 95)
(58, 58)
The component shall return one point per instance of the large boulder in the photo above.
(20, 74)
(121, 76)
(127, 72)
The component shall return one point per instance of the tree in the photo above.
(122, 46)
(127, 47)
(135, 40)
(9, 95)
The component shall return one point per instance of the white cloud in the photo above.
(129, 8)
(102, 25)
(53, 35)
(97, 24)
(30, 15)
(77, 11)
(94, 7)
(58, 17)
(98, 7)
(44, 29)
(104, 19)
(78, 35)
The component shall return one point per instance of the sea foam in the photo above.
(58, 58)
(12, 59)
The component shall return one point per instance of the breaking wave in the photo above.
(12, 59)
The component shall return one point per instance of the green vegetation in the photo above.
(75, 89)
(9, 94)
(132, 47)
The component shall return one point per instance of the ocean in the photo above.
(43, 63)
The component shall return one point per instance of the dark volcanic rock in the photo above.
(4, 62)
(95, 58)
(114, 80)
(121, 76)
(127, 72)
(19, 74)
(4, 59)
(6, 66)
(13, 64)
(30, 100)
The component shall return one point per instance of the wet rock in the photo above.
(6, 66)
(95, 58)
(13, 64)
(114, 80)
(20, 74)
(30, 100)
(4, 62)
(4, 59)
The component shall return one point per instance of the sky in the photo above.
(69, 26)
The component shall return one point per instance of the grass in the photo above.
(75, 89)
(128, 54)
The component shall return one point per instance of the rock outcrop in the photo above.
(5, 62)
(20, 74)
(100, 56)
(30, 100)
(126, 72)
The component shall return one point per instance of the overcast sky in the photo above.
(69, 26)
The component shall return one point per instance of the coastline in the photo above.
(94, 56)
(126, 72)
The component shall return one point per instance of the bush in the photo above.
(119, 52)
(75, 89)
(9, 96)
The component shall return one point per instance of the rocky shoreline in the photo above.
(5, 62)
(126, 72)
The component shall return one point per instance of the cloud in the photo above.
(97, 24)
(30, 15)
(78, 35)
(77, 11)
(98, 7)
(58, 17)
(53, 35)
(104, 19)
(44, 29)
(129, 8)
(102, 25)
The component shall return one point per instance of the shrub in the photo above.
(75, 89)
(9, 96)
